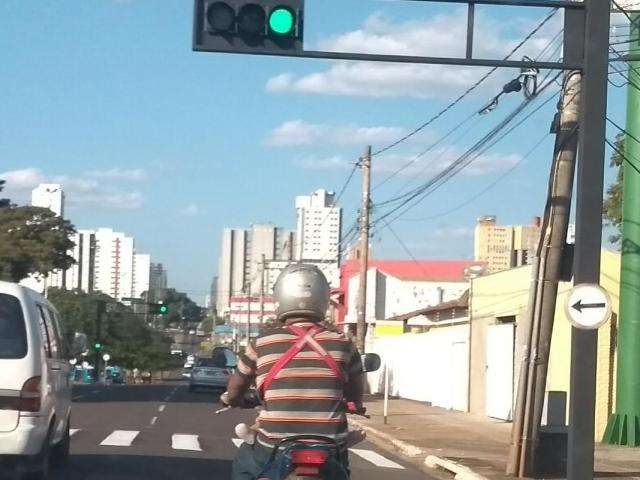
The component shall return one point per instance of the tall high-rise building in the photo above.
(157, 281)
(141, 274)
(49, 195)
(113, 263)
(81, 275)
(505, 247)
(240, 264)
(319, 223)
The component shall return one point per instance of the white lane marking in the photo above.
(185, 442)
(237, 442)
(154, 420)
(120, 438)
(375, 458)
(161, 408)
(73, 431)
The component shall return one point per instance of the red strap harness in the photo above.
(305, 337)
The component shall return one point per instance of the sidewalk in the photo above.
(418, 431)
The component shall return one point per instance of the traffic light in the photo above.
(158, 309)
(97, 346)
(263, 27)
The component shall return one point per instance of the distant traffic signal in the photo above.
(264, 27)
(97, 346)
(158, 309)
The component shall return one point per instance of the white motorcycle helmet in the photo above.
(301, 290)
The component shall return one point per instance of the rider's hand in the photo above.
(224, 399)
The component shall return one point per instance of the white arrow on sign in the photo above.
(588, 306)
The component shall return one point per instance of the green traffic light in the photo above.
(282, 21)
(164, 309)
(98, 346)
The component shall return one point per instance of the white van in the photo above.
(35, 388)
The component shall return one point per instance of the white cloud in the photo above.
(423, 168)
(116, 173)
(442, 36)
(190, 210)
(296, 133)
(85, 191)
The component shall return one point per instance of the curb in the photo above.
(431, 463)
(403, 447)
(460, 471)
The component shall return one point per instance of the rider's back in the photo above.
(306, 396)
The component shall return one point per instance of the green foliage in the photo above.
(32, 240)
(125, 335)
(613, 201)
(182, 310)
(4, 202)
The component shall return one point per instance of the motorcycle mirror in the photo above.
(371, 362)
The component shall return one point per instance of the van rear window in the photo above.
(13, 336)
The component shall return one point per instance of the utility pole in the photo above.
(264, 264)
(622, 429)
(361, 328)
(551, 253)
(248, 317)
(590, 187)
(101, 310)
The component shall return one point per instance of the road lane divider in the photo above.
(154, 420)
(185, 442)
(73, 431)
(161, 408)
(120, 438)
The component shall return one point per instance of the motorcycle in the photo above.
(305, 457)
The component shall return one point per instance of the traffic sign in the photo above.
(588, 306)
(106, 357)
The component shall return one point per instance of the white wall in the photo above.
(428, 367)
(389, 296)
(141, 274)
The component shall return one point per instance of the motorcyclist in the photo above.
(305, 372)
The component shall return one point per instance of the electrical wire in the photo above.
(482, 79)
(483, 191)
(462, 162)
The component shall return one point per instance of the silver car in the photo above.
(209, 377)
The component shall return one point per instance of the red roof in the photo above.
(443, 271)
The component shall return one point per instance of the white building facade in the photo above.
(141, 274)
(318, 226)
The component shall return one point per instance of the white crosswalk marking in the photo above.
(120, 438)
(375, 458)
(73, 431)
(185, 442)
(237, 442)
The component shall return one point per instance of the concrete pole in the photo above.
(361, 328)
(624, 424)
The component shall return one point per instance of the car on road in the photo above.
(213, 372)
(35, 383)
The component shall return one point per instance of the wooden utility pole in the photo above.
(361, 328)
(263, 268)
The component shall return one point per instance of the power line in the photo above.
(483, 191)
(469, 90)
(487, 142)
(622, 129)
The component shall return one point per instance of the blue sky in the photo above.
(171, 146)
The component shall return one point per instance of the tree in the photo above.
(33, 240)
(125, 335)
(4, 202)
(613, 201)
(182, 310)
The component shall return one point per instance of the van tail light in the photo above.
(31, 395)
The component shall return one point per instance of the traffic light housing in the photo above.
(262, 27)
(158, 309)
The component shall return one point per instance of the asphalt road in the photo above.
(164, 432)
